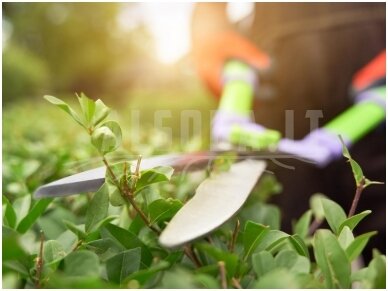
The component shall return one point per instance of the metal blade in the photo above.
(92, 180)
(216, 200)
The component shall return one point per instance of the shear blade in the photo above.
(216, 200)
(92, 180)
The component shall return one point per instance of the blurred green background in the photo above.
(133, 56)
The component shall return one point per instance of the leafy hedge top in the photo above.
(113, 240)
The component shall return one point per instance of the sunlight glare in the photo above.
(169, 24)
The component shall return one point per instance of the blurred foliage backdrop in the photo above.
(63, 48)
(72, 47)
(105, 50)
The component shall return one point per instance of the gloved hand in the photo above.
(231, 128)
(320, 146)
(232, 123)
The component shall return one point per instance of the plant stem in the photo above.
(137, 174)
(234, 236)
(113, 176)
(221, 266)
(187, 249)
(314, 226)
(128, 194)
(125, 192)
(79, 243)
(39, 262)
(131, 200)
(357, 196)
(236, 283)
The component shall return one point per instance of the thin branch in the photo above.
(357, 196)
(209, 239)
(131, 200)
(314, 226)
(187, 249)
(236, 283)
(129, 195)
(137, 172)
(39, 262)
(234, 236)
(79, 243)
(221, 266)
(112, 175)
(197, 262)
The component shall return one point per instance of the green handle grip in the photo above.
(258, 140)
(359, 119)
(238, 91)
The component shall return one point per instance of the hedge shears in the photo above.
(210, 208)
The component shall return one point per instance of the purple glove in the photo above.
(224, 121)
(320, 146)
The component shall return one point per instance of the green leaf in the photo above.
(76, 229)
(277, 279)
(104, 140)
(115, 197)
(178, 278)
(357, 172)
(154, 175)
(334, 214)
(260, 212)
(88, 108)
(97, 209)
(53, 252)
(65, 107)
(356, 169)
(101, 112)
(301, 227)
(345, 151)
(273, 240)
(174, 257)
(136, 225)
(82, 263)
(206, 281)
(376, 273)
(358, 244)
(331, 259)
(123, 264)
(299, 245)
(231, 260)
(345, 237)
(115, 128)
(37, 210)
(262, 262)
(293, 262)
(68, 240)
(373, 276)
(253, 234)
(130, 241)
(352, 222)
(103, 245)
(21, 207)
(59, 281)
(369, 182)
(11, 247)
(142, 276)
(9, 213)
(163, 210)
(316, 206)
(307, 281)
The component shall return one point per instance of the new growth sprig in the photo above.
(122, 182)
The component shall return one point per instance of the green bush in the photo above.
(109, 239)
(24, 74)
